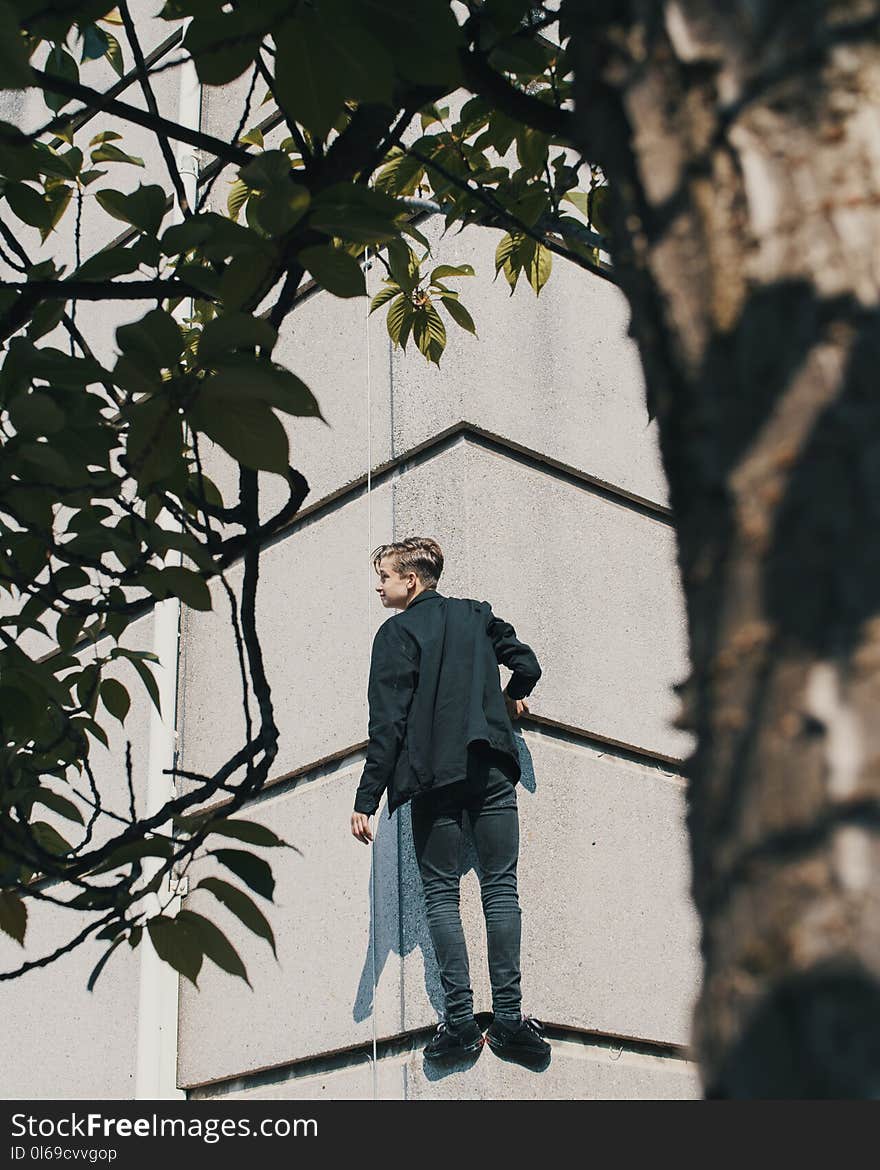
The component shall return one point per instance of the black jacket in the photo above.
(434, 690)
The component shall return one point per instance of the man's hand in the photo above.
(360, 827)
(515, 707)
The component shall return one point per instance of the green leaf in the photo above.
(451, 270)
(143, 208)
(269, 169)
(239, 193)
(36, 414)
(156, 339)
(249, 831)
(459, 314)
(384, 295)
(14, 65)
(111, 262)
(429, 332)
(176, 945)
(597, 210)
(13, 916)
(114, 55)
(223, 44)
(354, 212)
(531, 150)
(401, 173)
(242, 906)
(44, 318)
(248, 431)
(94, 42)
(216, 237)
(28, 204)
(115, 698)
(399, 312)
(254, 871)
(278, 209)
(58, 200)
(424, 38)
(580, 200)
(233, 331)
(519, 55)
(213, 943)
(335, 270)
(308, 79)
(245, 278)
(506, 246)
(105, 136)
(68, 628)
(538, 270)
(19, 157)
(110, 153)
(49, 839)
(242, 377)
(59, 64)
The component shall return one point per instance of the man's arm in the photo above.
(393, 675)
(515, 655)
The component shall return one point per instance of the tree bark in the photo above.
(742, 144)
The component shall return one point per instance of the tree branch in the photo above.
(153, 122)
(150, 99)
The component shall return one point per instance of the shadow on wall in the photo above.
(394, 851)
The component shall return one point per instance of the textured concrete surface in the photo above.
(317, 997)
(556, 373)
(578, 1070)
(611, 674)
(352, 1083)
(317, 613)
(610, 937)
(51, 1021)
(590, 584)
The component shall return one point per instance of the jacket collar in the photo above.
(423, 596)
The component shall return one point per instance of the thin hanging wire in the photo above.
(369, 625)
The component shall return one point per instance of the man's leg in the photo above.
(437, 832)
(495, 823)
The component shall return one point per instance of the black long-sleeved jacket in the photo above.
(434, 690)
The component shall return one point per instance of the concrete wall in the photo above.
(529, 457)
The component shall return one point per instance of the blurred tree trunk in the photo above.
(742, 144)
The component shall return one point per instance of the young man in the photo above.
(441, 736)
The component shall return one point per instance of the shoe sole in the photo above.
(516, 1049)
(461, 1050)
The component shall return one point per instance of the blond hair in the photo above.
(417, 554)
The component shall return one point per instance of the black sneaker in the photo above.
(450, 1040)
(524, 1039)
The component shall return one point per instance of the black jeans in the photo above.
(488, 795)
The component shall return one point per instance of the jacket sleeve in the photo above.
(515, 655)
(393, 676)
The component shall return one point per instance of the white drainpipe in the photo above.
(156, 1063)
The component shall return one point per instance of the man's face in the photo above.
(392, 588)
